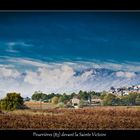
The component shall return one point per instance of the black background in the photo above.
(69, 5)
(109, 133)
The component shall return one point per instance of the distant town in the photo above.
(125, 90)
(114, 96)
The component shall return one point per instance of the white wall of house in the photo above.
(75, 101)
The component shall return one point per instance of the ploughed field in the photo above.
(69, 119)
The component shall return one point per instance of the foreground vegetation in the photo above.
(67, 119)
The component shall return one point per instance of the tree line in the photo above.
(15, 101)
(40, 96)
(133, 98)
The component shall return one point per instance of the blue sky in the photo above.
(73, 36)
(78, 41)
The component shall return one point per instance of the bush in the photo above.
(55, 100)
(125, 100)
(11, 102)
(111, 100)
(132, 98)
(61, 105)
(137, 100)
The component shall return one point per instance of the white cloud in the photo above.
(20, 43)
(11, 46)
(7, 72)
(6, 66)
(86, 75)
(27, 62)
(125, 74)
(59, 77)
(133, 67)
(51, 78)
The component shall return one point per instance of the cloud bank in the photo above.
(63, 77)
(125, 74)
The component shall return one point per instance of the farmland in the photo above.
(39, 105)
(100, 118)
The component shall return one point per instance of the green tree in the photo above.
(110, 99)
(83, 95)
(125, 100)
(64, 98)
(72, 95)
(55, 100)
(137, 100)
(132, 98)
(61, 105)
(93, 93)
(50, 96)
(12, 101)
(103, 95)
(38, 95)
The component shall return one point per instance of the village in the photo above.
(83, 99)
(125, 90)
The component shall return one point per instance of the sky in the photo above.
(68, 51)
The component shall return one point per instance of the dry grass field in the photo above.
(39, 105)
(100, 118)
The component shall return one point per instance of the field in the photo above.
(39, 105)
(69, 119)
